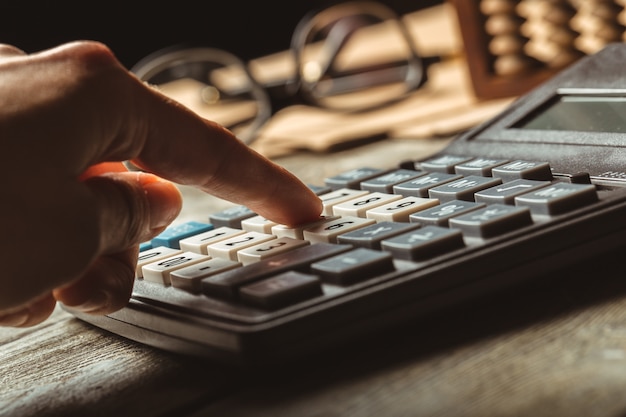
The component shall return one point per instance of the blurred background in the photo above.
(248, 29)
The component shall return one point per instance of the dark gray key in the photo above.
(281, 290)
(385, 183)
(371, 236)
(419, 186)
(231, 217)
(226, 284)
(558, 198)
(440, 215)
(479, 166)
(354, 266)
(319, 190)
(352, 179)
(462, 189)
(443, 163)
(493, 220)
(424, 243)
(530, 170)
(506, 193)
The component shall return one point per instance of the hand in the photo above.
(72, 217)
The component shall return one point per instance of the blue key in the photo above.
(171, 236)
(145, 246)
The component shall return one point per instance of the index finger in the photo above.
(211, 158)
(169, 140)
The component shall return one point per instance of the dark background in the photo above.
(133, 30)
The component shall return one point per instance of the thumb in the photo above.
(133, 207)
(128, 208)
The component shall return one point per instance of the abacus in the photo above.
(513, 45)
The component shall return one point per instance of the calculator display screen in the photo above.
(579, 113)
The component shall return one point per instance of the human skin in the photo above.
(73, 216)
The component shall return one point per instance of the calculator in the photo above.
(514, 198)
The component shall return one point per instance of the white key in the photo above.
(228, 248)
(358, 206)
(151, 255)
(265, 250)
(400, 210)
(258, 224)
(327, 232)
(339, 196)
(160, 271)
(198, 243)
(280, 230)
(189, 278)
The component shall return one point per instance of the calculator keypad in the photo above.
(376, 224)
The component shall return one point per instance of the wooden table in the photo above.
(556, 349)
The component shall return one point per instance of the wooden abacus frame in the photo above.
(480, 61)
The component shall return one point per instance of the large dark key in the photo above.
(226, 284)
(353, 266)
(281, 290)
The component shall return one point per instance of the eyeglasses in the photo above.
(353, 56)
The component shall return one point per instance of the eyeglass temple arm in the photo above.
(339, 34)
(347, 81)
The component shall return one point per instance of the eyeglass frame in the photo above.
(273, 97)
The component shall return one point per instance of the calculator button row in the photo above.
(503, 169)
(371, 217)
(473, 219)
(226, 284)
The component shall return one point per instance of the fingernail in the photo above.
(164, 198)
